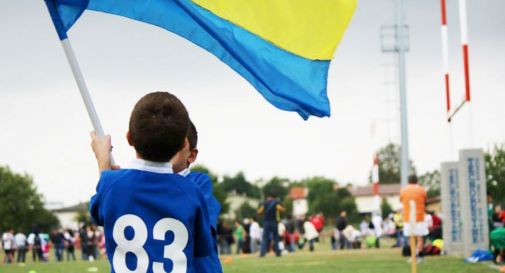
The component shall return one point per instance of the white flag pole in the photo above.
(83, 89)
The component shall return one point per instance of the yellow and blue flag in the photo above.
(282, 47)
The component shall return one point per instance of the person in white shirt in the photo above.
(364, 227)
(8, 246)
(255, 234)
(377, 223)
(35, 242)
(389, 226)
(310, 233)
(20, 240)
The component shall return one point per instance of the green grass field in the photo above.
(322, 261)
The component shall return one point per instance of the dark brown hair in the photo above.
(192, 136)
(158, 126)
(412, 179)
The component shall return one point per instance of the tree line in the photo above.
(22, 207)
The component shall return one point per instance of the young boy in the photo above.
(154, 220)
(181, 163)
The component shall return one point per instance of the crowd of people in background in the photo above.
(295, 233)
(88, 238)
(246, 236)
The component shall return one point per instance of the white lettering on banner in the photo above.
(135, 245)
(455, 206)
(474, 190)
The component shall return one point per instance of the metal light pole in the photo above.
(405, 169)
(395, 39)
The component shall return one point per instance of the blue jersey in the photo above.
(204, 183)
(210, 263)
(154, 221)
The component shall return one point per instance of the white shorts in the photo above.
(420, 229)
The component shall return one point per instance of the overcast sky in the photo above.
(44, 126)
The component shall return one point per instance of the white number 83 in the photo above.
(135, 245)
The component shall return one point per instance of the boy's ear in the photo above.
(129, 138)
(192, 156)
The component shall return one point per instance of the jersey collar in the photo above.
(150, 166)
(184, 172)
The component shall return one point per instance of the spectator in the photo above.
(225, 237)
(398, 220)
(497, 217)
(84, 241)
(353, 236)
(317, 221)
(490, 211)
(436, 228)
(239, 234)
(59, 244)
(417, 194)
(70, 244)
(378, 231)
(497, 242)
(271, 210)
(35, 242)
(389, 226)
(91, 243)
(246, 244)
(255, 235)
(364, 226)
(8, 245)
(311, 234)
(281, 229)
(341, 225)
(290, 229)
(21, 246)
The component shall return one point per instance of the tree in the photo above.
(217, 190)
(21, 207)
(390, 165)
(276, 187)
(83, 216)
(326, 197)
(495, 173)
(245, 211)
(240, 185)
(431, 182)
(385, 208)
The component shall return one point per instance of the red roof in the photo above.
(297, 193)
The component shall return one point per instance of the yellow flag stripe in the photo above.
(309, 28)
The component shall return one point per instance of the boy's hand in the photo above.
(101, 148)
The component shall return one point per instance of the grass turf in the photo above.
(322, 261)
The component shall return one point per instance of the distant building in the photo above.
(299, 197)
(366, 202)
(68, 215)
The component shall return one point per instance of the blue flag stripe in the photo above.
(287, 81)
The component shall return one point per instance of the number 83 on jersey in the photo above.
(135, 245)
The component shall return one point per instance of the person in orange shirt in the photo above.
(416, 193)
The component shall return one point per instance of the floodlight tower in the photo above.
(400, 45)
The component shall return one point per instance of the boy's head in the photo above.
(188, 154)
(158, 126)
(412, 179)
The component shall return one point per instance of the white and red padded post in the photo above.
(375, 175)
(445, 56)
(445, 51)
(464, 42)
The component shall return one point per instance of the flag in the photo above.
(282, 47)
